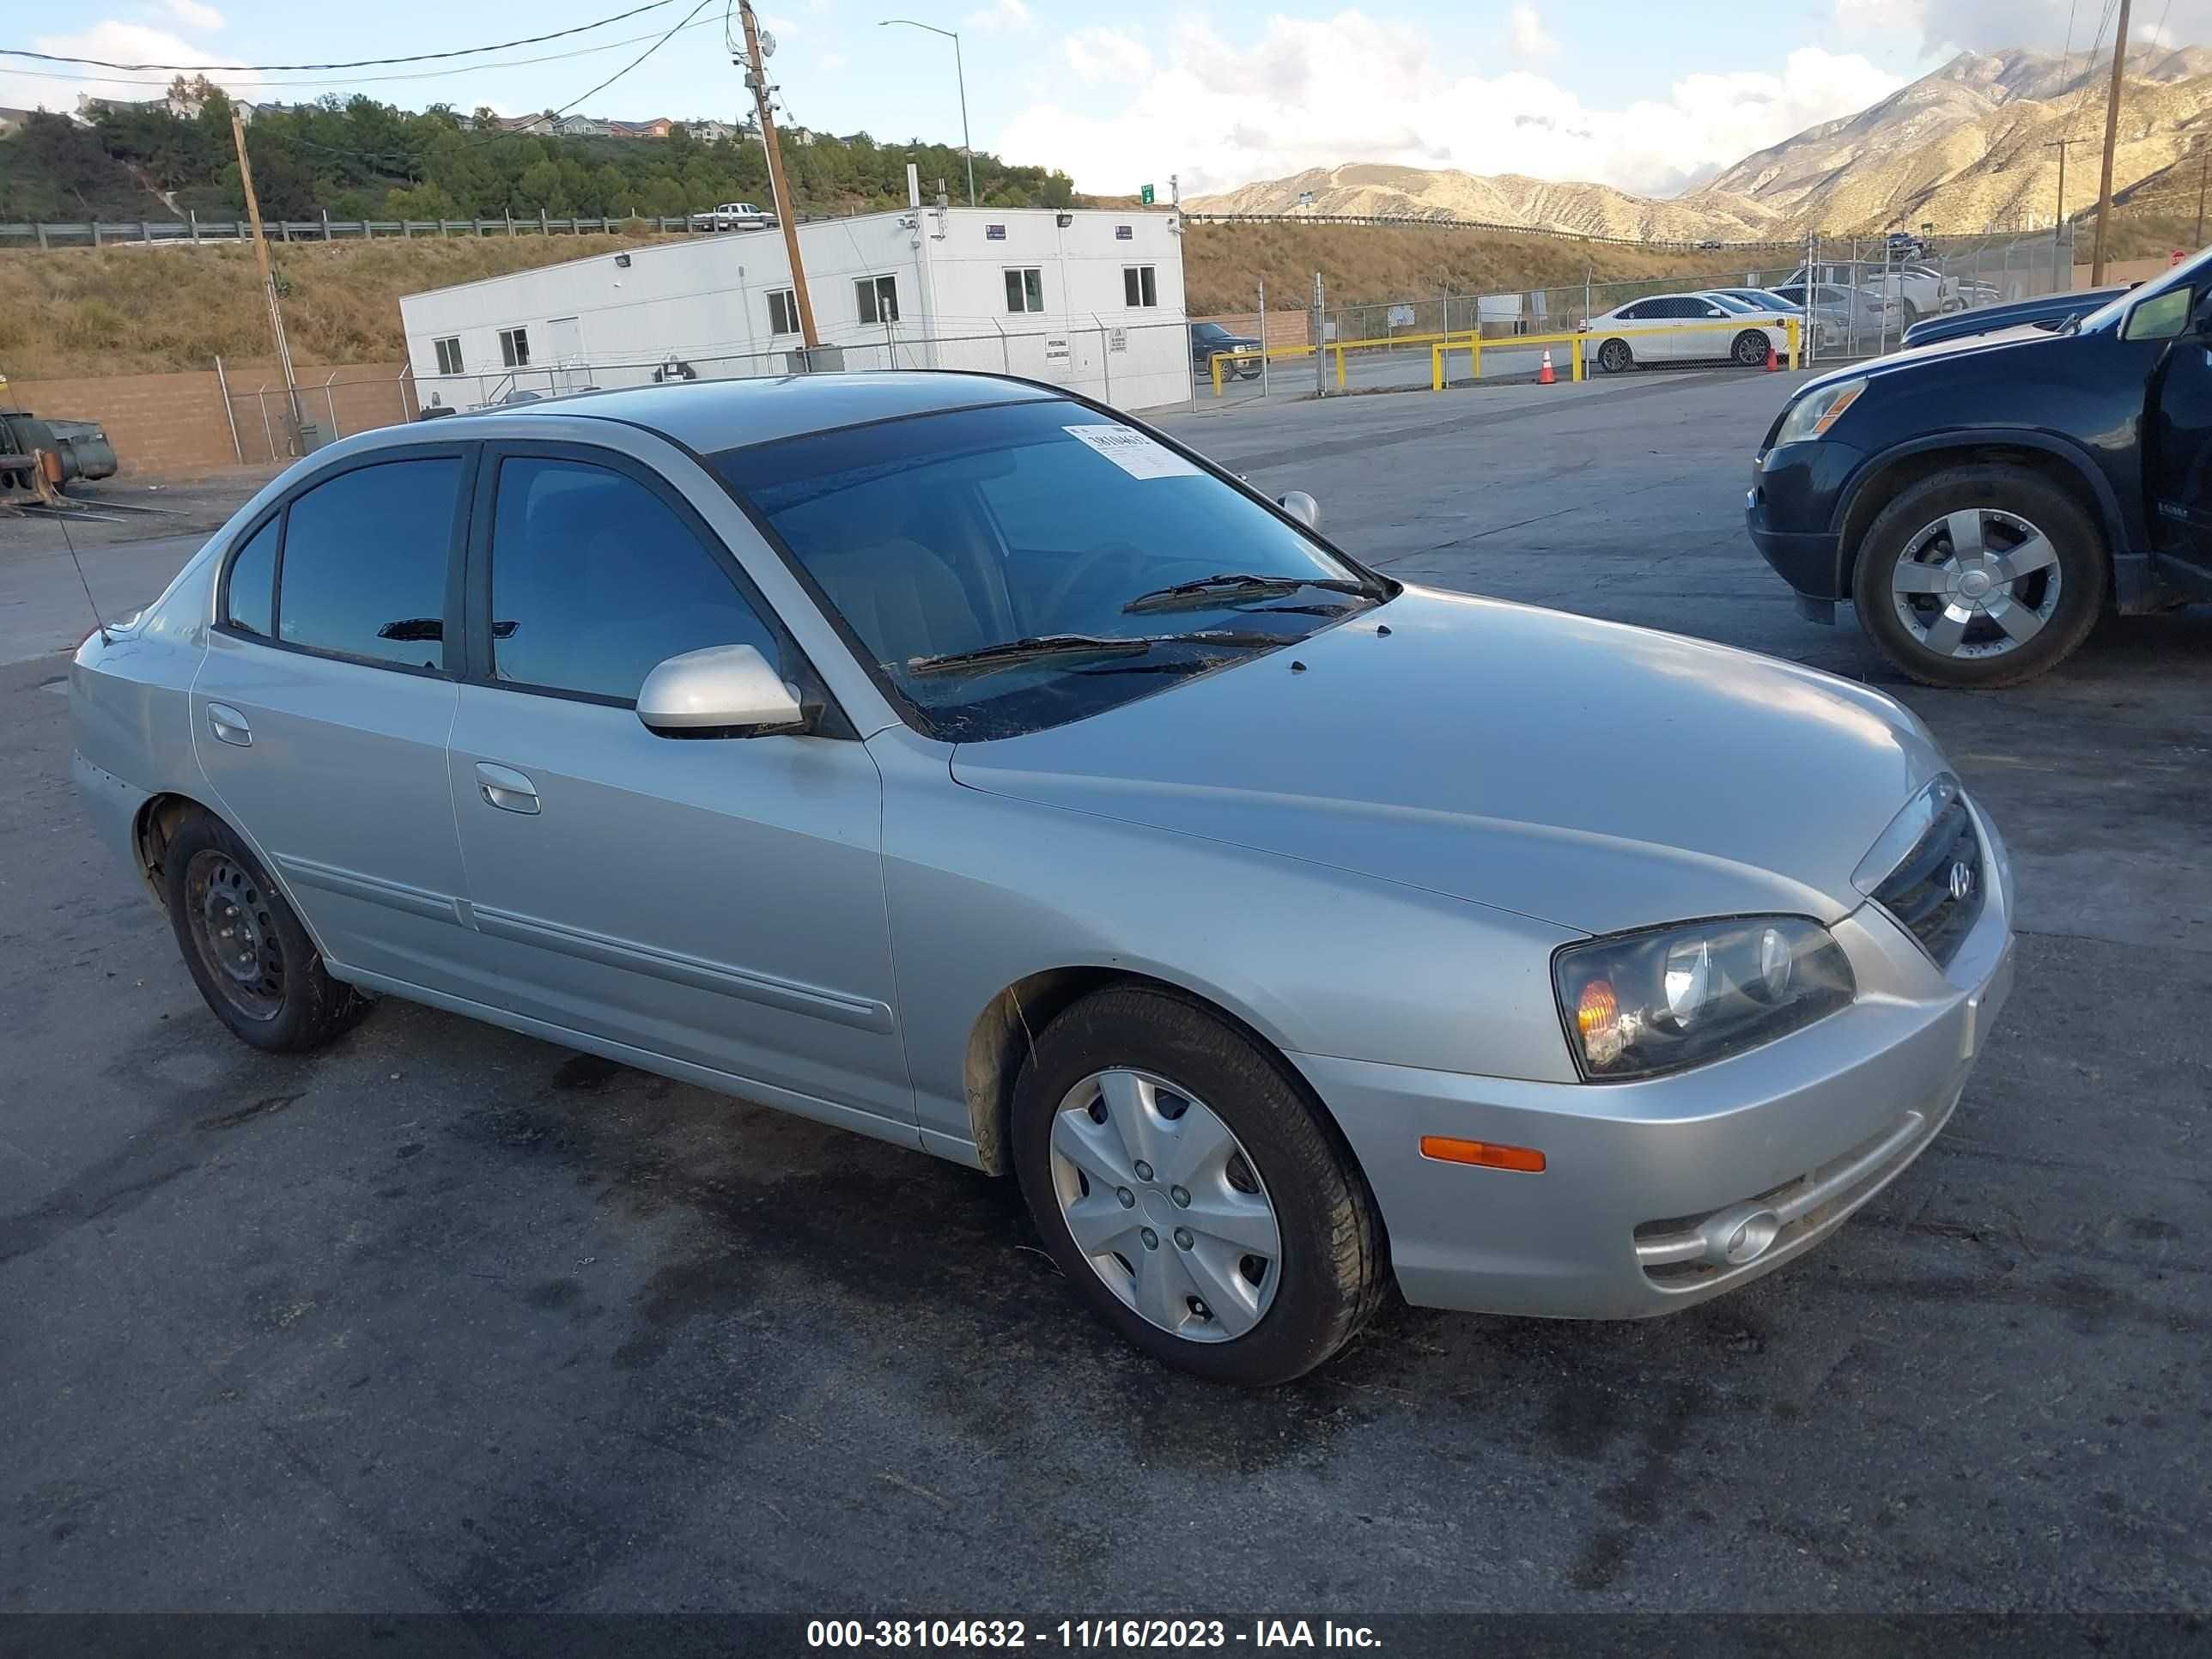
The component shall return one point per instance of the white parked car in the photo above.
(734, 216)
(1670, 328)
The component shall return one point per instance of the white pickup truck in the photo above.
(1920, 291)
(733, 216)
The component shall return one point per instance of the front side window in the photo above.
(876, 299)
(249, 594)
(1025, 289)
(449, 355)
(363, 573)
(1139, 287)
(596, 581)
(961, 532)
(782, 311)
(514, 347)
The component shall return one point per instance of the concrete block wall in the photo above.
(174, 425)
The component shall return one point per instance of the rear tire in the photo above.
(1914, 604)
(252, 961)
(1615, 357)
(1133, 1073)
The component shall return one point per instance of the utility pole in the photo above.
(268, 271)
(2203, 175)
(2111, 137)
(2060, 280)
(756, 78)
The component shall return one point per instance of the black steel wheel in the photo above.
(252, 961)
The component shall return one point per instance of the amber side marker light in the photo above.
(1450, 1149)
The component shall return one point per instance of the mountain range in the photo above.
(1968, 147)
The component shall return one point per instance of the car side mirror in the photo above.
(725, 691)
(1303, 508)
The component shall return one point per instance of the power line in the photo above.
(357, 63)
(368, 80)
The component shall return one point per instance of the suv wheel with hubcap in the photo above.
(1985, 575)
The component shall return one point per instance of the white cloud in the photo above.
(1528, 38)
(1949, 25)
(192, 14)
(1352, 87)
(117, 42)
(1002, 16)
(1107, 57)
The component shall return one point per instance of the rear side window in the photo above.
(365, 561)
(596, 581)
(249, 601)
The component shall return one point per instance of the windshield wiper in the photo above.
(1030, 646)
(1086, 644)
(1206, 590)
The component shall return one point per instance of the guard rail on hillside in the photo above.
(113, 233)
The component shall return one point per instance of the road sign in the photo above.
(1144, 195)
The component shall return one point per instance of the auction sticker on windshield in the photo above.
(1133, 453)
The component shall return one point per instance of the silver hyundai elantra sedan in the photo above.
(953, 760)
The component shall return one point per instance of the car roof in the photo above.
(713, 415)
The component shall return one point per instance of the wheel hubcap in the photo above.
(1979, 582)
(1165, 1205)
(235, 934)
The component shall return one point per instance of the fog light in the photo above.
(1741, 1236)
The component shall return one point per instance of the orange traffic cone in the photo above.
(1773, 362)
(1544, 375)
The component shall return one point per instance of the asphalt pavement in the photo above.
(444, 1319)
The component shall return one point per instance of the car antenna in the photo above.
(100, 623)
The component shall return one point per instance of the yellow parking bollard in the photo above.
(1436, 367)
(1214, 363)
(1575, 351)
(1790, 327)
(1339, 366)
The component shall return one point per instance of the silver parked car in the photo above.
(950, 759)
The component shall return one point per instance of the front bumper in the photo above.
(1789, 509)
(1653, 1191)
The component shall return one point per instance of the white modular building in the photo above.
(1090, 299)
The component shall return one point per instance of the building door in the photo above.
(566, 339)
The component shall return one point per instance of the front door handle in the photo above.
(506, 788)
(229, 726)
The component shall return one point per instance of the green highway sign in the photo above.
(1144, 195)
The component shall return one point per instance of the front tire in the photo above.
(252, 961)
(1980, 576)
(1193, 1195)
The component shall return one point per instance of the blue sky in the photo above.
(1649, 97)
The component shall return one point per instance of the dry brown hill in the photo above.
(1967, 148)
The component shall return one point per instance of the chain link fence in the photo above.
(1855, 297)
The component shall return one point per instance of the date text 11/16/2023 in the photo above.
(1084, 1634)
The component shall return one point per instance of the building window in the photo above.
(1025, 289)
(449, 355)
(876, 299)
(1137, 287)
(782, 311)
(514, 347)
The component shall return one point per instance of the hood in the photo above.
(1586, 774)
(2021, 336)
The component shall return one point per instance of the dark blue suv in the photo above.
(1983, 501)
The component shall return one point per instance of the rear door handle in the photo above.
(506, 788)
(229, 726)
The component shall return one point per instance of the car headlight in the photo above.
(1811, 416)
(1638, 1004)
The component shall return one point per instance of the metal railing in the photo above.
(191, 228)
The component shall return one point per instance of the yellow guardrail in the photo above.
(1578, 341)
(1273, 354)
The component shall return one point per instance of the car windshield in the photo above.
(1760, 302)
(1209, 331)
(1011, 568)
(1729, 302)
(2182, 275)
